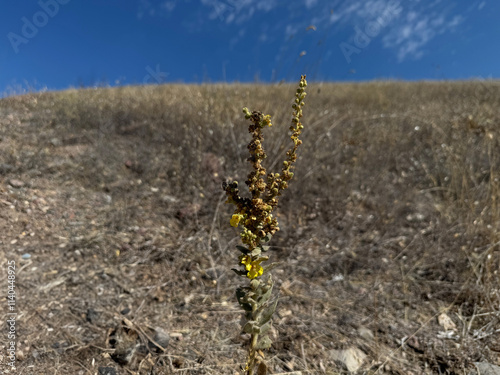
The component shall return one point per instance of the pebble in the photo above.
(352, 358)
(365, 333)
(16, 183)
(20, 355)
(161, 337)
(486, 368)
(168, 199)
(26, 256)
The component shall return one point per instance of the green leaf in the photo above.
(269, 267)
(242, 298)
(255, 283)
(243, 249)
(249, 327)
(266, 327)
(264, 342)
(267, 238)
(256, 252)
(265, 296)
(265, 248)
(265, 314)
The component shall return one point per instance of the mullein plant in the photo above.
(255, 216)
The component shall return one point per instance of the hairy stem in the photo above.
(251, 359)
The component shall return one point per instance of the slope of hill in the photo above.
(113, 211)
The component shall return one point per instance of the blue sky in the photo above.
(70, 43)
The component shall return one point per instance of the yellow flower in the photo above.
(235, 220)
(247, 261)
(267, 120)
(252, 266)
(255, 270)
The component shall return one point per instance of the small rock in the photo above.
(365, 333)
(135, 166)
(16, 183)
(486, 368)
(91, 316)
(55, 142)
(351, 358)
(20, 355)
(107, 371)
(414, 344)
(418, 217)
(26, 256)
(168, 199)
(161, 337)
(125, 311)
(446, 322)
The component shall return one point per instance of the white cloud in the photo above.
(411, 16)
(290, 30)
(169, 6)
(457, 20)
(406, 27)
(372, 9)
(310, 3)
(147, 7)
(266, 5)
(418, 28)
(236, 11)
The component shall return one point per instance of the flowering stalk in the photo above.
(254, 215)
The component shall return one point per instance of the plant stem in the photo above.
(251, 355)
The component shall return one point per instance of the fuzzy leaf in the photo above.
(265, 327)
(265, 296)
(243, 249)
(267, 238)
(265, 314)
(242, 298)
(264, 342)
(256, 252)
(265, 248)
(254, 284)
(269, 267)
(249, 327)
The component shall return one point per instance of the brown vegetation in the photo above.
(390, 222)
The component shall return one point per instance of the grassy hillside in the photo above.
(390, 222)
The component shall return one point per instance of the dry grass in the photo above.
(391, 220)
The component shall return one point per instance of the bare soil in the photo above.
(111, 207)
